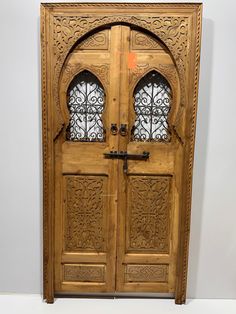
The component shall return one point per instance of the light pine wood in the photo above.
(161, 166)
(116, 252)
(85, 161)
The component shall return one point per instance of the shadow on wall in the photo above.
(204, 101)
(41, 154)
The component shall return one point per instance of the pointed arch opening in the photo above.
(86, 103)
(152, 103)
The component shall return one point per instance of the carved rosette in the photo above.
(67, 30)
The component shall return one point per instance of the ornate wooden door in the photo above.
(119, 116)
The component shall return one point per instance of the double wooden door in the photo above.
(117, 166)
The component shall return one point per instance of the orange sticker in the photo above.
(132, 60)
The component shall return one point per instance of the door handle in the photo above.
(114, 129)
(123, 129)
(125, 156)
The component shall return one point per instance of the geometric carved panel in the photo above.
(146, 273)
(85, 211)
(142, 41)
(149, 213)
(81, 272)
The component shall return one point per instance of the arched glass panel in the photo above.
(152, 103)
(86, 100)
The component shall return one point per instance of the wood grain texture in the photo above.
(70, 43)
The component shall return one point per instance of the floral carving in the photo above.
(149, 213)
(85, 210)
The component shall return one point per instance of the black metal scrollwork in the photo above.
(86, 100)
(152, 103)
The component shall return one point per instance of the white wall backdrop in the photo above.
(212, 271)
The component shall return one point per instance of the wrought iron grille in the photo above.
(86, 100)
(152, 103)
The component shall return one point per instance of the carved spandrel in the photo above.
(167, 70)
(85, 211)
(100, 70)
(149, 212)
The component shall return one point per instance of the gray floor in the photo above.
(33, 304)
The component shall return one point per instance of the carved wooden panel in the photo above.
(85, 208)
(82, 272)
(142, 41)
(149, 211)
(146, 273)
(99, 40)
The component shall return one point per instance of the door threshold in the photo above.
(115, 295)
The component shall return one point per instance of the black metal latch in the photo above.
(125, 156)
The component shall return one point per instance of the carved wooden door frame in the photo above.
(62, 25)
